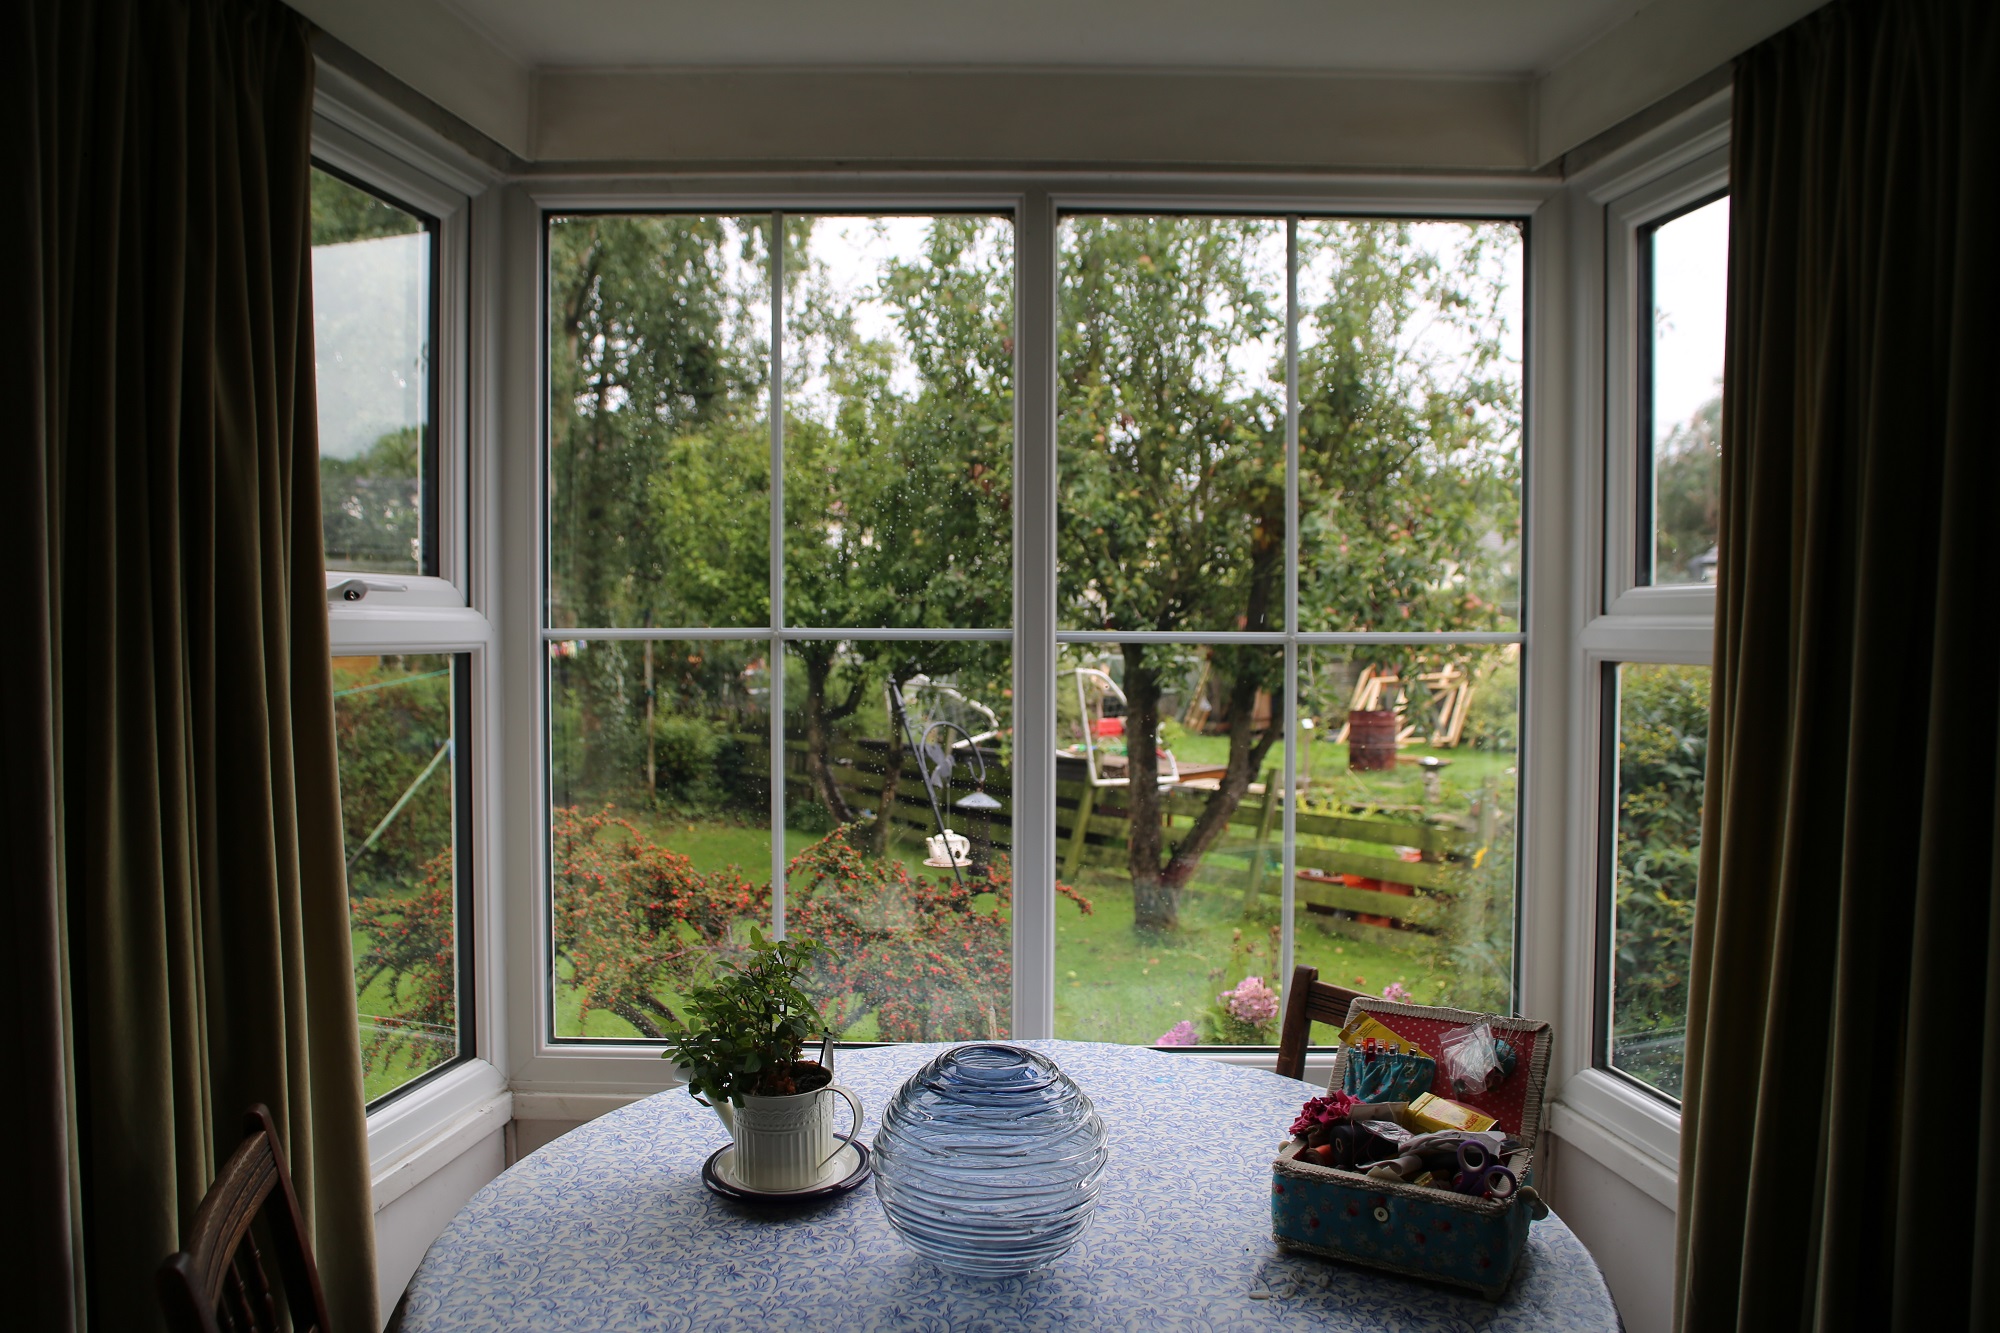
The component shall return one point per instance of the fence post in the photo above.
(1084, 804)
(1263, 836)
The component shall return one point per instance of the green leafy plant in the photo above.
(743, 1034)
(1662, 770)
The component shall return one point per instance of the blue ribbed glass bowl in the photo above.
(988, 1160)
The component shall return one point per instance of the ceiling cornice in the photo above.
(1274, 119)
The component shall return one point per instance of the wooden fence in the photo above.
(1093, 823)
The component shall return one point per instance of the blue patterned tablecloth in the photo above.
(610, 1228)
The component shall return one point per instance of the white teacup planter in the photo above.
(785, 1143)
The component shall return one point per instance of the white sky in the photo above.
(370, 317)
(1690, 273)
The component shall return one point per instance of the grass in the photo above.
(1114, 984)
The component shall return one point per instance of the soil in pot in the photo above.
(792, 1079)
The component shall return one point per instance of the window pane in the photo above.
(1168, 767)
(899, 421)
(880, 805)
(1408, 780)
(659, 421)
(1662, 762)
(660, 850)
(1686, 260)
(372, 346)
(1170, 428)
(393, 719)
(1410, 425)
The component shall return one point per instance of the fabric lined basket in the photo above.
(1411, 1229)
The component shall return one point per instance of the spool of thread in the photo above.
(1474, 1163)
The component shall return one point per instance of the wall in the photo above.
(407, 1223)
(1628, 1232)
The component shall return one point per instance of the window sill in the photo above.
(414, 1136)
(1632, 1134)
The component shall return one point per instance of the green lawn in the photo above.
(1115, 985)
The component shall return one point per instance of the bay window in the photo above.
(1075, 605)
(783, 615)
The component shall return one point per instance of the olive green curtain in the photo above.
(1840, 1151)
(178, 903)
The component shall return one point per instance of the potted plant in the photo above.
(741, 1044)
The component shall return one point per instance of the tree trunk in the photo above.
(892, 776)
(820, 718)
(819, 735)
(1156, 889)
(1155, 902)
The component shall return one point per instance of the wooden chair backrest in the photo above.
(219, 1282)
(1308, 999)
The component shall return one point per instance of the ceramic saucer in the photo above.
(849, 1167)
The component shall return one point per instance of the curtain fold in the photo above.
(1840, 1142)
(190, 913)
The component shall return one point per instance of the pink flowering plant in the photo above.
(1180, 1034)
(1244, 1016)
(1394, 991)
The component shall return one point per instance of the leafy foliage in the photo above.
(641, 934)
(635, 922)
(343, 213)
(744, 1031)
(1662, 763)
(391, 716)
(930, 959)
(412, 942)
(1687, 493)
(371, 505)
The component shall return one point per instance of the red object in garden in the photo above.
(1376, 886)
(1109, 726)
(1371, 739)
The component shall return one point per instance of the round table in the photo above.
(610, 1227)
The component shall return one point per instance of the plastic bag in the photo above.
(1475, 1060)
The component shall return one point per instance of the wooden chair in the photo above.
(1307, 999)
(219, 1283)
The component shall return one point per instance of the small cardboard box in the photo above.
(1412, 1229)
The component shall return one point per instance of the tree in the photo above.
(1171, 453)
(343, 213)
(1687, 492)
(896, 498)
(371, 505)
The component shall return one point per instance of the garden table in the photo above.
(610, 1228)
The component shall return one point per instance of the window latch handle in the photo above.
(353, 590)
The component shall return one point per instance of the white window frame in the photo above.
(575, 1078)
(1632, 1130)
(367, 139)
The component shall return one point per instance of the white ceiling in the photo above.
(1500, 85)
(1402, 36)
